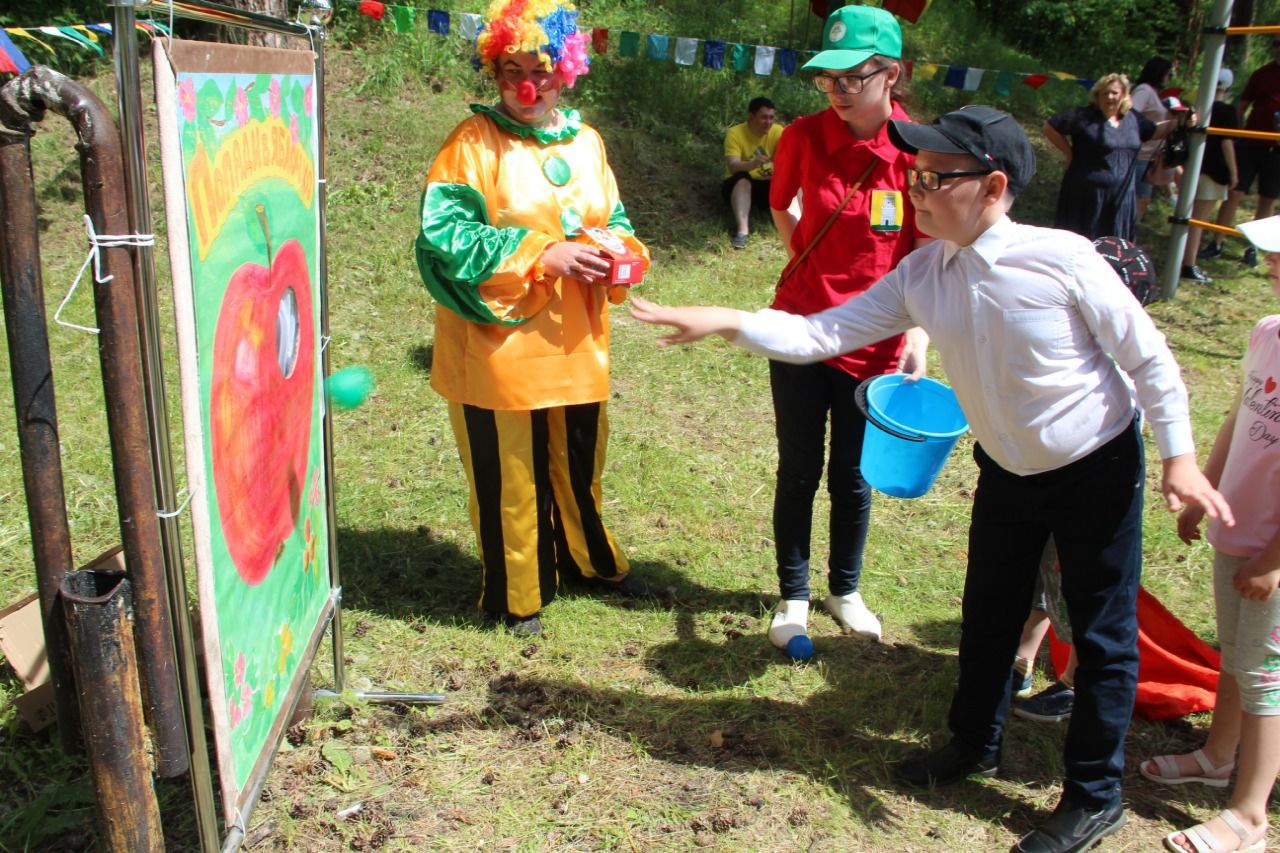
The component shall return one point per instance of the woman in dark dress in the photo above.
(1101, 142)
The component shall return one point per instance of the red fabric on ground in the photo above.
(1177, 671)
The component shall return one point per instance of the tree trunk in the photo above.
(274, 8)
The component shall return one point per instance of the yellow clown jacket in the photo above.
(497, 195)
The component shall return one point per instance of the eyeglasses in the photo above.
(933, 180)
(849, 84)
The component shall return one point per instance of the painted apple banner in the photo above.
(248, 146)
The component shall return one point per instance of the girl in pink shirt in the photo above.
(1245, 466)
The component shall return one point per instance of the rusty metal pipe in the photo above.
(23, 100)
(33, 397)
(97, 606)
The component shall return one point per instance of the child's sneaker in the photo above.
(791, 620)
(852, 615)
(1051, 705)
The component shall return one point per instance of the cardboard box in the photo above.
(22, 643)
(626, 267)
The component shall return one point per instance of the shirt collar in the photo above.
(836, 134)
(988, 246)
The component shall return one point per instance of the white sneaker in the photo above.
(791, 620)
(852, 615)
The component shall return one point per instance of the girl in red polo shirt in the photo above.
(857, 223)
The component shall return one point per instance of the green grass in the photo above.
(658, 726)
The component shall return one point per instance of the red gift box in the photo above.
(625, 266)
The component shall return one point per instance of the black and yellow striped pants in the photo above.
(535, 500)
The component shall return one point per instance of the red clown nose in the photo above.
(527, 93)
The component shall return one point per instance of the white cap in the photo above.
(1263, 233)
(1225, 78)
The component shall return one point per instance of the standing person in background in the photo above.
(1147, 101)
(522, 326)
(1100, 143)
(853, 182)
(748, 159)
(1218, 174)
(1259, 104)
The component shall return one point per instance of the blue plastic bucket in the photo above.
(911, 429)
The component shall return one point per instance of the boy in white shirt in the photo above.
(1033, 329)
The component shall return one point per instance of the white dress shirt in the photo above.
(1023, 319)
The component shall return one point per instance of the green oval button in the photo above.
(556, 170)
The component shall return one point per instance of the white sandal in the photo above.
(1204, 841)
(1167, 772)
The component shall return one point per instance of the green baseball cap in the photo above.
(853, 34)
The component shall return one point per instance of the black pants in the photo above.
(1093, 509)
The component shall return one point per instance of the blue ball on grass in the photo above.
(800, 647)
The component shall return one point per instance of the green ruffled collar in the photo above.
(568, 130)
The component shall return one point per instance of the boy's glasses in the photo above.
(849, 84)
(933, 180)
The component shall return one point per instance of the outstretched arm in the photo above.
(691, 323)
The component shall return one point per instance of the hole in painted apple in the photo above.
(287, 337)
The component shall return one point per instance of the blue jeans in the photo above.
(803, 395)
(1093, 509)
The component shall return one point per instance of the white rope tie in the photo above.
(177, 512)
(98, 242)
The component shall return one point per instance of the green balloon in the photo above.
(349, 387)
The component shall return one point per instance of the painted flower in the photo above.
(246, 698)
(308, 548)
(273, 96)
(308, 98)
(315, 488)
(233, 711)
(242, 107)
(269, 695)
(187, 98)
(240, 667)
(293, 126)
(286, 646)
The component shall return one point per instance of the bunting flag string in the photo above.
(85, 36)
(682, 51)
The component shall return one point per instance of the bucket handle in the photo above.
(860, 400)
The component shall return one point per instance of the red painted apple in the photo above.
(260, 407)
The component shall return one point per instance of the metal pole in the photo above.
(98, 611)
(33, 397)
(130, 104)
(1214, 47)
(102, 173)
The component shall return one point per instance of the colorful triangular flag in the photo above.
(11, 59)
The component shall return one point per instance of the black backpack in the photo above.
(1133, 265)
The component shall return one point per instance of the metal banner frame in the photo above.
(131, 127)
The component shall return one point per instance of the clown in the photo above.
(522, 329)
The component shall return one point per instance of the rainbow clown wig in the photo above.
(548, 28)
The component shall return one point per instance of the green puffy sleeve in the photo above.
(481, 272)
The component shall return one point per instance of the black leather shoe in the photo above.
(1071, 829)
(946, 765)
(631, 585)
(523, 626)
